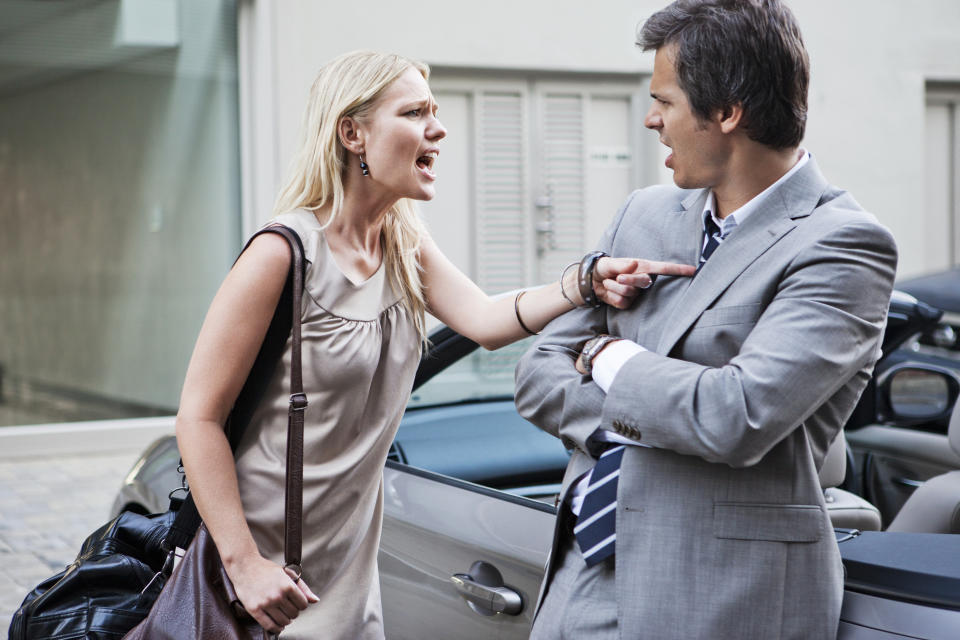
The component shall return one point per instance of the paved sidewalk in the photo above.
(47, 508)
(51, 500)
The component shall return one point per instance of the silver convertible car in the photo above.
(470, 493)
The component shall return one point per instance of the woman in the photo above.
(371, 139)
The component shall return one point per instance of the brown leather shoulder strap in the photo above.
(286, 322)
(293, 536)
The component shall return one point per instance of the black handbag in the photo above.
(106, 590)
(123, 566)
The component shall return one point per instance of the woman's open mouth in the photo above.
(425, 164)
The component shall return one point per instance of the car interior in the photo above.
(847, 510)
(868, 475)
(895, 445)
(905, 457)
(534, 464)
(934, 506)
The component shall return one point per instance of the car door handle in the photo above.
(908, 482)
(493, 599)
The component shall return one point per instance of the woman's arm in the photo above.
(229, 341)
(463, 306)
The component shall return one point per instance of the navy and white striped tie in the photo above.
(596, 525)
(713, 239)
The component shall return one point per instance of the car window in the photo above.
(463, 425)
(483, 375)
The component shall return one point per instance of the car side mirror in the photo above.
(915, 394)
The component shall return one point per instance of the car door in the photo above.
(898, 433)
(894, 461)
(916, 393)
(469, 502)
(436, 527)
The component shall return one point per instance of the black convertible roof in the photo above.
(942, 290)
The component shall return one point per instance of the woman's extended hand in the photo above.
(268, 592)
(617, 281)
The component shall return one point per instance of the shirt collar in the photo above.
(735, 218)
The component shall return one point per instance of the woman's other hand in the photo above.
(618, 281)
(268, 593)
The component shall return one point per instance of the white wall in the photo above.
(869, 64)
(870, 60)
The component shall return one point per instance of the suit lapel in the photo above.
(777, 216)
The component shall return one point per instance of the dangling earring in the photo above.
(364, 167)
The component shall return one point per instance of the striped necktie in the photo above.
(713, 239)
(595, 530)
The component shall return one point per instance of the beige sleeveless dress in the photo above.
(360, 353)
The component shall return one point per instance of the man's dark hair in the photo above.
(738, 51)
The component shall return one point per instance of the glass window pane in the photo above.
(119, 200)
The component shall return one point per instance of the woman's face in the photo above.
(401, 138)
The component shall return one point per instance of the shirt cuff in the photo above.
(607, 364)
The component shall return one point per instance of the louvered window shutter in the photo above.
(562, 162)
(502, 194)
(501, 191)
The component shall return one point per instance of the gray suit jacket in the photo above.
(754, 366)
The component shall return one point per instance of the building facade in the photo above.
(142, 140)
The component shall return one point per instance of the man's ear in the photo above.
(351, 137)
(729, 117)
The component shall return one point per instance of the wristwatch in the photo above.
(591, 348)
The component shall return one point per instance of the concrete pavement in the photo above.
(57, 484)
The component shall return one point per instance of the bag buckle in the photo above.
(298, 402)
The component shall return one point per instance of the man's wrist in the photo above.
(608, 363)
(592, 348)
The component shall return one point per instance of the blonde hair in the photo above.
(350, 86)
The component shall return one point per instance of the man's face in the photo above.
(699, 150)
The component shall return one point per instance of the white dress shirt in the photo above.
(607, 364)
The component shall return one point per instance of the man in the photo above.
(714, 401)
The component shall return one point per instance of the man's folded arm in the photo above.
(549, 390)
(823, 325)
